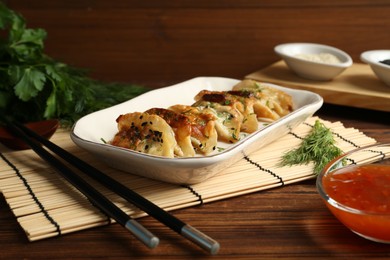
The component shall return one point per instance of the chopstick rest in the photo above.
(99, 200)
(187, 231)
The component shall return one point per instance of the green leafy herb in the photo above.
(220, 149)
(34, 86)
(318, 147)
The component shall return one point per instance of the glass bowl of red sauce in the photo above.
(356, 189)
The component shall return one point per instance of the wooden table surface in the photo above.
(158, 43)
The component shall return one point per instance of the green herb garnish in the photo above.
(220, 149)
(318, 147)
(34, 86)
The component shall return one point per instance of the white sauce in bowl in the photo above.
(321, 57)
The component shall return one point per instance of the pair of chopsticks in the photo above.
(34, 140)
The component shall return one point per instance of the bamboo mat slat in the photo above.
(45, 205)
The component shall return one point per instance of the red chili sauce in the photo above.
(366, 188)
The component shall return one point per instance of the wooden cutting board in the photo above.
(357, 86)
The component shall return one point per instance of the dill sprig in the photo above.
(317, 147)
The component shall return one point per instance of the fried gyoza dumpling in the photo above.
(270, 103)
(146, 133)
(181, 126)
(243, 103)
(204, 136)
(228, 119)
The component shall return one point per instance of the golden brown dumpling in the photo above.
(204, 136)
(146, 133)
(237, 100)
(270, 103)
(228, 119)
(181, 126)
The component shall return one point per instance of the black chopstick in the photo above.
(139, 201)
(99, 200)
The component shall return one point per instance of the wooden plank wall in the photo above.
(158, 43)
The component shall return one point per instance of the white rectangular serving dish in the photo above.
(89, 131)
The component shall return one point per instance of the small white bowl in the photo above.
(309, 69)
(373, 58)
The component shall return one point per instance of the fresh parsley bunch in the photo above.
(34, 86)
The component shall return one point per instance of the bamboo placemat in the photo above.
(45, 205)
